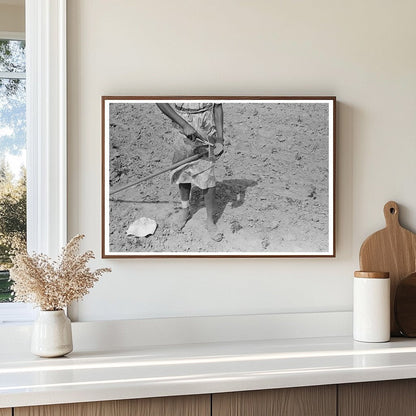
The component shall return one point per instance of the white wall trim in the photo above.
(11, 313)
(125, 334)
(202, 329)
(46, 125)
(13, 75)
(12, 35)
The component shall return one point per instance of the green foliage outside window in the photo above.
(12, 145)
(12, 223)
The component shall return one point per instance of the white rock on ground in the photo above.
(142, 227)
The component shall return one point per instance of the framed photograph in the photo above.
(218, 176)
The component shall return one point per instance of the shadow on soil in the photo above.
(231, 191)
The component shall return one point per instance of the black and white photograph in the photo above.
(218, 176)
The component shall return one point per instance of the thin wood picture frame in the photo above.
(260, 182)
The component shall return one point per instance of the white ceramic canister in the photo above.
(371, 322)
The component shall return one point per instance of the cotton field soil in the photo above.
(272, 181)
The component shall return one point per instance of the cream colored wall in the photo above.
(12, 18)
(361, 51)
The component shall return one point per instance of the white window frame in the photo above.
(46, 134)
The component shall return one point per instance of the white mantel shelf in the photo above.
(151, 371)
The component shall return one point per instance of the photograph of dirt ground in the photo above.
(272, 189)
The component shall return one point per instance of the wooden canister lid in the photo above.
(372, 275)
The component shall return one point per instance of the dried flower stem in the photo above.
(53, 285)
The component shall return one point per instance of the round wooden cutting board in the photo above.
(405, 305)
(393, 250)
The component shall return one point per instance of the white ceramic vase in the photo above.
(52, 334)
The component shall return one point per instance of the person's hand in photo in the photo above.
(188, 130)
(218, 149)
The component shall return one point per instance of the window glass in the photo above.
(12, 156)
(12, 56)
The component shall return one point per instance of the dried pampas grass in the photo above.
(53, 285)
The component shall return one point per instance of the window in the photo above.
(46, 134)
(12, 166)
(12, 154)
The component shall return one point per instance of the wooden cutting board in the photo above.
(393, 250)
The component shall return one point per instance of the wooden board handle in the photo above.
(391, 214)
